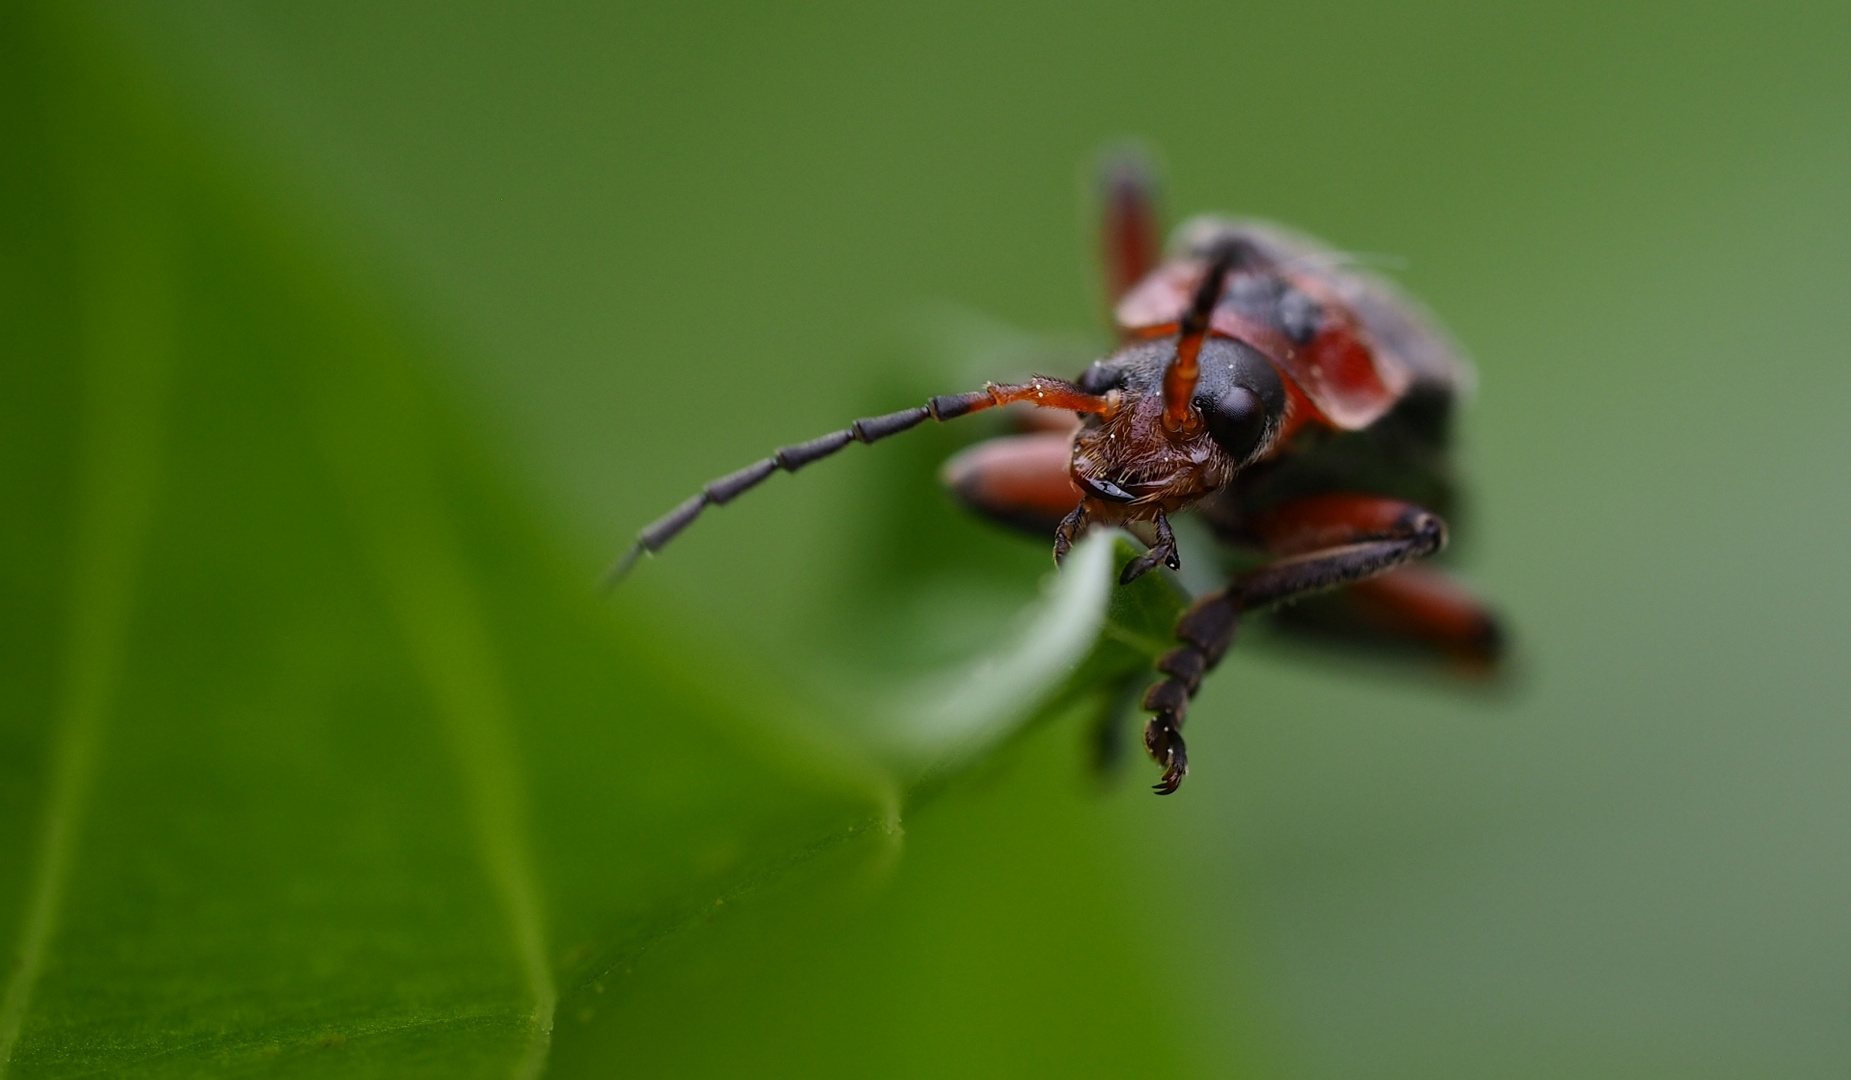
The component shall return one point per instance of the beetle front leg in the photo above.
(1067, 532)
(1326, 542)
(1162, 553)
(1205, 630)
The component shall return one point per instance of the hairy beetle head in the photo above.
(1132, 464)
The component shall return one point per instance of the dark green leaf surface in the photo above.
(318, 757)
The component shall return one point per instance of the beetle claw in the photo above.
(1161, 555)
(1172, 780)
(1068, 530)
(1166, 747)
(1162, 550)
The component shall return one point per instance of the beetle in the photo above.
(1299, 405)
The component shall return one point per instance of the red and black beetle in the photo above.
(1300, 406)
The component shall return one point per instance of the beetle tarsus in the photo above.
(1068, 529)
(1162, 552)
(1169, 699)
(1164, 739)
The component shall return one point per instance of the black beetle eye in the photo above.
(1236, 418)
(1099, 378)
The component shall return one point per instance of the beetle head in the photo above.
(1132, 463)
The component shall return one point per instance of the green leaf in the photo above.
(318, 755)
(1086, 638)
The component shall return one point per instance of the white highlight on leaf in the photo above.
(967, 709)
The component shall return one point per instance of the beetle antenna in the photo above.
(1180, 377)
(1039, 391)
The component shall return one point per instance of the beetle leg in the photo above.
(1068, 529)
(1163, 552)
(1130, 233)
(1105, 738)
(1023, 481)
(1205, 630)
(1414, 605)
(1326, 542)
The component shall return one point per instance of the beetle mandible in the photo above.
(1301, 406)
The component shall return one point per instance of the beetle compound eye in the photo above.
(1236, 418)
(1099, 378)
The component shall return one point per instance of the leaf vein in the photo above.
(124, 356)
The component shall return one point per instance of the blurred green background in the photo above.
(613, 251)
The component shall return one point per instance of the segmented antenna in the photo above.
(1040, 391)
(1179, 378)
